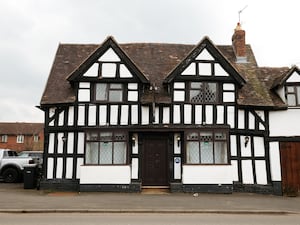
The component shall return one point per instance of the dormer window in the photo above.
(293, 95)
(111, 92)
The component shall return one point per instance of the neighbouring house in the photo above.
(22, 136)
(191, 118)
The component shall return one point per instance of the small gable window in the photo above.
(293, 95)
(203, 92)
(109, 92)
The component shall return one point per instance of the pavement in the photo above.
(15, 199)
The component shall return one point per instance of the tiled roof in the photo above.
(21, 128)
(156, 61)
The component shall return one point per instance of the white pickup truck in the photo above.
(12, 166)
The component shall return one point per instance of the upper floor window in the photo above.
(293, 95)
(106, 148)
(20, 139)
(111, 92)
(4, 138)
(207, 147)
(196, 92)
(35, 138)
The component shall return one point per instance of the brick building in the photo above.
(22, 136)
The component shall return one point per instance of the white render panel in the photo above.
(245, 150)
(70, 144)
(260, 171)
(219, 71)
(81, 113)
(109, 56)
(135, 168)
(179, 96)
(241, 119)
(260, 114)
(166, 115)
(251, 121)
(59, 168)
(275, 161)
(132, 96)
(132, 86)
(102, 115)
(71, 116)
(92, 71)
(78, 165)
(134, 114)
(105, 174)
(230, 116)
(281, 93)
(179, 85)
(69, 168)
(209, 114)
(295, 77)
(204, 69)
(51, 112)
(51, 143)
(50, 164)
(233, 145)
(177, 167)
(109, 70)
(135, 148)
(60, 143)
(124, 114)
(187, 114)
(92, 115)
(114, 114)
(84, 85)
(198, 114)
(247, 172)
(177, 148)
(84, 95)
(208, 174)
(145, 115)
(235, 169)
(220, 114)
(228, 97)
(80, 146)
(259, 146)
(228, 87)
(283, 123)
(124, 72)
(156, 115)
(205, 55)
(190, 70)
(176, 114)
(61, 118)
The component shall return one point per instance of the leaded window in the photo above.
(111, 92)
(207, 147)
(203, 92)
(106, 148)
(293, 95)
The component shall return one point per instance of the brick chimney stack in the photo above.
(239, 44)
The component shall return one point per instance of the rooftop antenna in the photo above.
(240, 11)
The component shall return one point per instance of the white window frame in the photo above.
(20, 138)
(4, 138)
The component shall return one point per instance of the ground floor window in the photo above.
(106, 147)
(207, 147)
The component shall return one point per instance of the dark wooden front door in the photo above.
(155, 160)
(290, 166)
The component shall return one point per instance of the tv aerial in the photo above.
(240, 11)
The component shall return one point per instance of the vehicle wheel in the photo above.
(10, 175)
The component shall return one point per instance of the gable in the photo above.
(205, 61)
(294, 77)
(107, 62)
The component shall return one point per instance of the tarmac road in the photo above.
(146, 219)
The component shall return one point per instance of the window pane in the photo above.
(290, 89)
(119, 153)
(206, 136)
(196, 96)
(298, 95)
(91, 136)
(119, 137)
(105, 152)
(115, 86)
(210, 92)
(192, 136)
(192, 152)
(178, 95)
(220, 136)
(106, 136)
(115, 95)
(196, 85)
(207, 155)
(220, 152)
(92, 153)
(291, 99)
(101, 92)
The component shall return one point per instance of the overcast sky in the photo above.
(30, 31)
